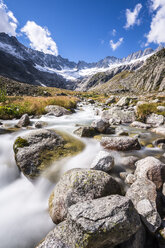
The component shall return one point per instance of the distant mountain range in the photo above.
(33, 67)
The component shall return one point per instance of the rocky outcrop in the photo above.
(122, 143)
(78, 185)
(56, 110)
(103, 161)
(98, 223)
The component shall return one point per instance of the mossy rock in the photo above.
(35, 152)
(20, 143)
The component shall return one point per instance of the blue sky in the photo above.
(86, 29)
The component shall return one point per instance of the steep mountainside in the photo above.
(150, 77)
(33, 67)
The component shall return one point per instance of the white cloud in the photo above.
(114, 32)
(132, 16)
(157, 27)
(114, 46)
(8, 23)
(40, 38)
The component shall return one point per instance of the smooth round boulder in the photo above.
(79, 185)
(123, 143)
(152, 169)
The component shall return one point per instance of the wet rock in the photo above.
(86, 132)
(129, 161)
(110, 100)
(30, 149)
(103, 161)
(161, 108)
(143, 195)
(123, 143)
(56, 110)
(152, 169)
(123, 101)
(79, 185)
(155, 120)
(24, 121)
(104, 222)
(139, 124)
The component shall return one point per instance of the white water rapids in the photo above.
(24, 218)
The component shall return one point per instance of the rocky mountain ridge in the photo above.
(33, 67)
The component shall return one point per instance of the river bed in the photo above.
(24, 218)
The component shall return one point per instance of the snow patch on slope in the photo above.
(74, 74)
(9, 49)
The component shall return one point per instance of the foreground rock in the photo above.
(56, 110)
(123, 143)
(24, 121)
(103, 161)
(143, 195)
(99, 223)
(35, 151)
(78, 185)
(139, 124)
(152, 169)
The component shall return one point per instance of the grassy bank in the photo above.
(15, 107)
(148, 108)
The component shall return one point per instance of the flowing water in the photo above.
(24, 218)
